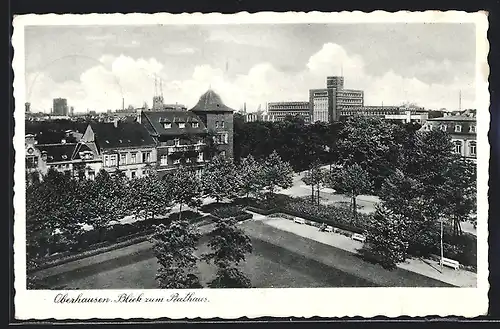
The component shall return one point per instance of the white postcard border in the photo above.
(252, 303)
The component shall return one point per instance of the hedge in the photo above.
(227, 211)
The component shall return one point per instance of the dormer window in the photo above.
(182, 125)
(64, 156)
(458, 128)
(176, 142)
(472, 129)
(195, 125)
(443, 127)
(167, 125)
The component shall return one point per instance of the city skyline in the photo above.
(96, 67)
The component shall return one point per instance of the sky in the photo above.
(95, 67)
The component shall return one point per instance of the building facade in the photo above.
(179, 137)
(218, 119)
(322, 105)
(124, 146)
(462, 130)
(280, 110)
(60, 107)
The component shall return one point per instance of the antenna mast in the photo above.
(460, 100)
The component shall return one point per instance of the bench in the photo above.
(450, 263)
(358, 237)
(329, 229)
(299, 220)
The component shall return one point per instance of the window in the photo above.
(177, 161)
(457, 147)
(182, 125)
(132, 174)
(123, 158)
(458, 128)
(106, 161)
(176, 142)
(146, 157)
(442, 127)
(222, 124)
(195, 125)
(200, 156)
(133, 158)
(167, 125)
(216, 124)
(163, 160)
(31, 162)
(91, 174)
(188, 160)
(472, 148)
(112, 160)
(472, 129)
(223, 154)
(226, 137)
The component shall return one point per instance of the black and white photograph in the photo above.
(181, 158)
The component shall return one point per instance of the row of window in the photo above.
(182, 125)
(111, 160)
(220, 124)
(221, 139)
(458, 148)
(458, 128)
(164, 159)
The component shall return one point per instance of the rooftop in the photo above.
(210, 101)
(157, 119)
(124, 134)
(454, 118)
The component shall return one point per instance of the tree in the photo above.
(220, 179)
(250, 171)
(229, 246)
(276, 173)
(315, 177)
(385, 238)
(53, 213)
(185, 187)
(174, 248)
(461, 192)
(147, 195)
(353, 180)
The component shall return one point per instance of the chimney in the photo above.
(115, 122)
(63, 141)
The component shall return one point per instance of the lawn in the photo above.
(279, 259)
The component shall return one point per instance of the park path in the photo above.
(429, 268)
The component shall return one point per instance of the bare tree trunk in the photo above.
(354, 209)
(318, 194)
(312, 194)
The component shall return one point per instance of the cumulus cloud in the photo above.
(102, 87)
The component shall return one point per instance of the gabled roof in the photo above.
(57, 152)
(81, 147)
(125, 134)
(157, 119)
(210, 101)
(453, 118)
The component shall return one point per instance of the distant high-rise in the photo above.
(27, 106)
(60, 106)
(335, 83)
(71, 111)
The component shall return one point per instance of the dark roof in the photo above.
(80, 147)
(52, 132)
(211, 102)
(57, 152)
(125, 134)
(453, 118)
(158, 118)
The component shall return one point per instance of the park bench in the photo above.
(450, 263)
(299, 220)
(358, 237)
(329, 229)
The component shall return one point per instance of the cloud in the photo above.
(179, 50)
(103, 86)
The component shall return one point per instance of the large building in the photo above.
(280, 110)
(462, 129)
(124, 146)
(179, 137)
(391, 113)
(326, 104)
(218, 119)
(60, 107)
(322, 105)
